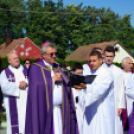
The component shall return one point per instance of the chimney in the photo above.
(8, 39)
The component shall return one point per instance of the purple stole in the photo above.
(88, 63)
(131, 127)
(125, 121)
(13, 104)
(39, 119)
(131, 122)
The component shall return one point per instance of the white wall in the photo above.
(121, 54)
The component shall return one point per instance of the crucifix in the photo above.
(11, 78)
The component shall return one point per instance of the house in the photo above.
(82, 52)
(24, 47)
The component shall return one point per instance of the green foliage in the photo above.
(2, 116)
(70, 63)
(68, 27)
(4, 61)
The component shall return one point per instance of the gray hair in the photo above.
(8, 56)
(123, 62)
(43, 49)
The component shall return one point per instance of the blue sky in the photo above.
(118, 6)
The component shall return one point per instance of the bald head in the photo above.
(13, 59)
(127, 64)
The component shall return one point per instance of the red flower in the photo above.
(66, 64)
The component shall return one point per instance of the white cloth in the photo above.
(57, 101)
(12, 89)
(86, 69)
(97, 101)
(119, 94)
(129, 102)
(79, 112)
(130, 93)
(125, 77)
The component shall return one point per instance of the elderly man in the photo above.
(130, 95)
(14, 87)
(109, 54)
(48, 108)
(127, 66)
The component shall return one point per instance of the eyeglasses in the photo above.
(27, 63)
(52, 54)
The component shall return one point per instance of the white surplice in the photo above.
(79, 111)
(126, 76)
(86, 69)
(57, 102)
(130, 93)
(97, 102)
(119, 94)
(12, 89)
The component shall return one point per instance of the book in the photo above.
(77, 79)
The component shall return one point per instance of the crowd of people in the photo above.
(38, 99)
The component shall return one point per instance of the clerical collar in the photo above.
(15, 67)
(109, 65)
(93, 71)
(47, 64)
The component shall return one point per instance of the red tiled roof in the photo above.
(24, 47)
(4, 51)
(82, 52)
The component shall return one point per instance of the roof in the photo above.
(82, 52)
(24, 47)
(4, 51)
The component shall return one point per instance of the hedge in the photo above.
(70, 63)
(2, 116)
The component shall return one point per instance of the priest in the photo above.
(130, 95)
(97, 100)
(48, 105)
(119, 95)
(14, 87)
(127, 66)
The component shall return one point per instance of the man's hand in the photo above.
(57, 77)
(119, 111)
(23, 85)
(81, 86)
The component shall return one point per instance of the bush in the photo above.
(70, 63)
(2, 116)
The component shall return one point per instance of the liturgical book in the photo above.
(77, 79)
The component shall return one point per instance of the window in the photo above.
(116, 49)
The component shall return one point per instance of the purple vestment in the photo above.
(125, 120)
(88, 63)
(131, 126)
(39, 114)
(12, 103)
